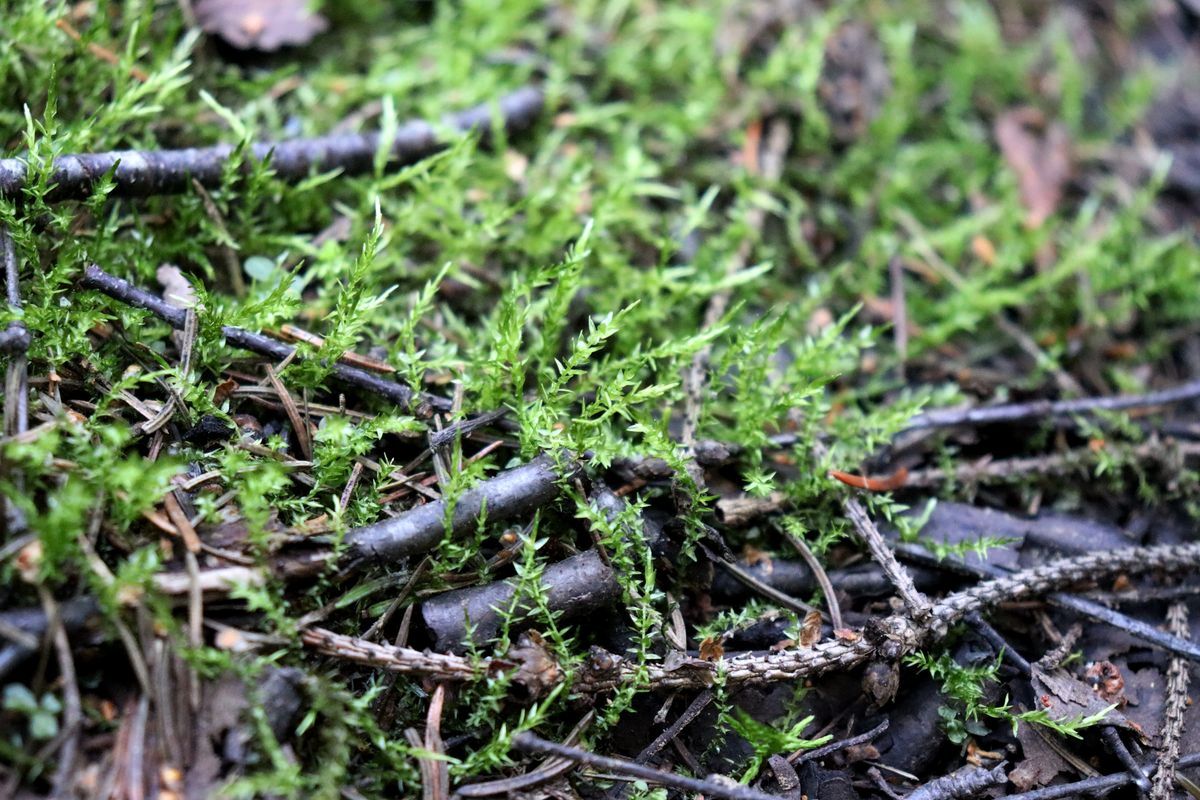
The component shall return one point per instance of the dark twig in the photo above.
(800, 756)
(572, 587)
(1112, 741)
(535, 744)
(549, 769)
(65, 774)
(981, 626)
(1044, 409)
(690, 713)
(511, 493)
(123, 290)
(1163, 787)
(145, 173)
(969, 781)
(1093, 786)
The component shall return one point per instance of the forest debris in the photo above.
(1042, 162)
(265, 25)
(1041, 763)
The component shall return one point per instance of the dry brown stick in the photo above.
(708, 788)
(818, 571)
(440, 788)
(695, 376)
(1163, 787)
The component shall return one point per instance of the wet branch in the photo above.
(154, 172)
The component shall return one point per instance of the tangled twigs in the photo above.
(1163, 787)
(888, 639)
(144, 173)
(120, 289)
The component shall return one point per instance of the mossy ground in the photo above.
(562, 274)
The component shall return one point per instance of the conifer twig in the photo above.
(153, 172)
(1044, 409)
(889, 638)
(1163, 786)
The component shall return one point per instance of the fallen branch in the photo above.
(1098, 785)
(144, 173)
(888, 639)
(572, 587)
(509, 494)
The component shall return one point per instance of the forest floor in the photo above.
(730, 398)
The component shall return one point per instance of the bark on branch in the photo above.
(144, 173)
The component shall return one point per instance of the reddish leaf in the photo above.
(260, 24)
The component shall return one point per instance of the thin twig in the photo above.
(120, 289)
(987, 470)
(800, 756)
(1045, 409)
(690, 713)
(154, 172)
(548, 770)
(916, 602)
(818, 571)
(65, 774)
(1163, 787)
(535, 744)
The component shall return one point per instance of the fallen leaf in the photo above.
(260, 24)
(711, 649)
(537, 669)
(1041, 762)
(1041, 160)
(810, 629)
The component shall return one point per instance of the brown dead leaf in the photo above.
(1040, 154)
(711, 649)
(1040, 764)
(537, 670)
(810, 629)
(847, 635)
(260, 24)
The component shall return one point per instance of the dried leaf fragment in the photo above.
(1041, 160)
(711, 649)
(260, 24)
